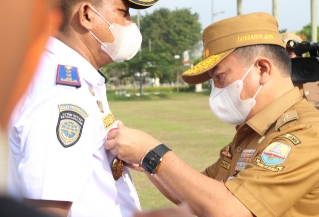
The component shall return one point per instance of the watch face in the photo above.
(150, 162)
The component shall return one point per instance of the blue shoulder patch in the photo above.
(68, 75)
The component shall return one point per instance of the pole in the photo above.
(275, 8)
(239, 7)
(212, 11)
(141, 83)
(314, 27)
(141, 77)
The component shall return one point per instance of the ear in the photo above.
(86, 14)
(265, 66)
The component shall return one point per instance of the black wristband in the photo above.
(161, 150)
(153, 158)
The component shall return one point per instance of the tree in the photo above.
(165, 34)
(305, 33)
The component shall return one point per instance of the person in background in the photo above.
(57, 162)
(310, 90)
(271, 167)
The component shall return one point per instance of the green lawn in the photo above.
(182, 121)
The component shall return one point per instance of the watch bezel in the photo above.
(151, 162)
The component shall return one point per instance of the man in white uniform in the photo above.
(57, 162)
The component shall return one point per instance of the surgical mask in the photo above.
(127, 41)
(226, 104)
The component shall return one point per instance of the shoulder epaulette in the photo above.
(285, 118)
(68, 75)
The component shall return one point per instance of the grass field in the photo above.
(182, 121)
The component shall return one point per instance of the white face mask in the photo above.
(226, 104)
(127, 41)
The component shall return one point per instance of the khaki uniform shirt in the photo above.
(272, 164)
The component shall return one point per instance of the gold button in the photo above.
(239, 149)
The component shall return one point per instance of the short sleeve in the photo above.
(56, 143)
(279, 176)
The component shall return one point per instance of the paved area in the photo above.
(3, 162)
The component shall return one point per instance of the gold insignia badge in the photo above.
(117, 168)
(225, 165)
(108, 120)
(91, 91)
(100, 105)
(226, 152)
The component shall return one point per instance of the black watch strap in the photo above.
(153, 158)
(160, 150)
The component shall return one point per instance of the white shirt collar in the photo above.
(66, 55)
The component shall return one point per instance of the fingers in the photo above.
(120, 124)
(111, 135)
(109, 145)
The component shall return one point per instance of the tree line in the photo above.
(166, 35)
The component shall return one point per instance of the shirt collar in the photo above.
(66, 55)
(265, 118)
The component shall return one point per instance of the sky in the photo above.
(292, 14)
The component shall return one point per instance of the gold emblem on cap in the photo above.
(206, 53)
(117, 168)
(204, 64)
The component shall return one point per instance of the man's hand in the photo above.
(128, 144)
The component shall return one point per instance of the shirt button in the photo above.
(239, 149)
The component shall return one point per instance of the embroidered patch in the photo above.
(244, 159)
(225, 165)
(291, 138)
(68, 75)
(70, 124)
(273, 169)
(275, 153)
(226, 152)
(108, 120)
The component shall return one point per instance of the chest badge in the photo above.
(108, 120)
(68, 75)
(275, 153)
(70, 124)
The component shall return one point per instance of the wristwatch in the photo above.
(153, 158)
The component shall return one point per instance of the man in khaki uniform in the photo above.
(310, 90)
(271, 168)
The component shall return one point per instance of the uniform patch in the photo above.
(225, 165)
(275, 153)
(108, 120)
(273, 169)
(291, 138)
(226, 152)
(70, 124)
(244, 159)
(68, 75)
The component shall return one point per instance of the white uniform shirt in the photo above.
(56, 138)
